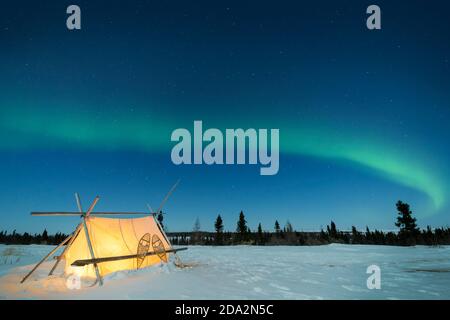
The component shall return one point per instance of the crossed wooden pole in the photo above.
(70, 239)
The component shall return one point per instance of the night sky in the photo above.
(363, 115)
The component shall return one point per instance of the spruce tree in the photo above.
(333, 230)
(260, 235)
(277, 227)
(45, 236)
(324, 236)
(368, 235)
(218, 225)
(409, 231)
(356, 237)
(405, 221)
(241, 228)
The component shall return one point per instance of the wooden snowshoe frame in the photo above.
(158, 248)
(143, 247)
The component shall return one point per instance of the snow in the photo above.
(247, 272)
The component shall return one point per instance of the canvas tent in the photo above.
(101, 245)
(112, 237)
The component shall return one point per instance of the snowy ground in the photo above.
(248, 272)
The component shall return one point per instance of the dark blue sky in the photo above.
(363, 115)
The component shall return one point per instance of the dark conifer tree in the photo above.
(324, 236)
(241, 228)
(405, 221)
(218, 225)
(333, 230)
(409, 232)
(356, 235)
(45, 236)
(260, 237)
(277, 227)
(368, 235)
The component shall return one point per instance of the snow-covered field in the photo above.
(247, 272)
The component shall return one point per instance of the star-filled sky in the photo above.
(363, 115)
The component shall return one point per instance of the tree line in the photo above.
(26, 238)
(408, 234)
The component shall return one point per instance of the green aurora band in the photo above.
(391, 165)
(142, 132)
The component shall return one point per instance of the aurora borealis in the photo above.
(363, 116)
(147, 134)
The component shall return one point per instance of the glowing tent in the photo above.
(114, 238)
(100, 245)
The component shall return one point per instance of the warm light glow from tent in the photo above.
(112, 238)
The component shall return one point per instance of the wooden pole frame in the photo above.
(178, 261)
(71, 238)
(161, 229)
(83, 262)
(88, 238)
(59, 258)
(85, 215)
(75, 234)
(69, 213)
(159, 211)
(45, 258)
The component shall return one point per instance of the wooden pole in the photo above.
(91, 250)
(178, 261)
(77, 199)
(58, 259)
(167, 196)
(68, 213)
(159, 211)
(162, 231)
(48, 255)
(80, 263)
(74, 235)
